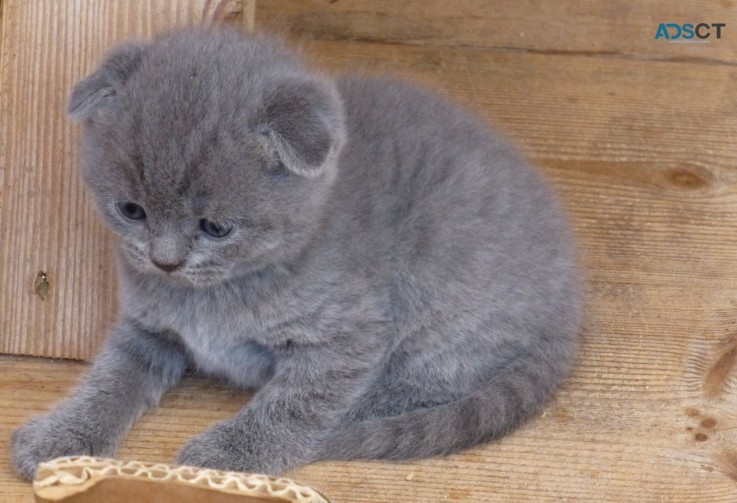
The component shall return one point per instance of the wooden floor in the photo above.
(639, 137)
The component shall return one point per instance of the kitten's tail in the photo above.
(517, 391)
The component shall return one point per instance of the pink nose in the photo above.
(167, 267)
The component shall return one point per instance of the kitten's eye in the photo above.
(215, 230)
(279, 171)
(131, 210)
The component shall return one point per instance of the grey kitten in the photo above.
(388, 274)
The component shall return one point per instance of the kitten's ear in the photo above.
(302, 123)
(99, 89)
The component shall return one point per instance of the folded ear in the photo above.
(98, 90)
(302, 123)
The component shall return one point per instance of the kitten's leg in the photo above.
(287, 420)
(132, 372)
(393, 397)
(421, 375)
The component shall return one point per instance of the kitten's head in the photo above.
(209, 152)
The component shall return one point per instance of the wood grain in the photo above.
(617, 28)
(47, 222)
(616, 432)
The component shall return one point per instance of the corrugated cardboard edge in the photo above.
(69, 475)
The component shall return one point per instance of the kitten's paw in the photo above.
(221, 448)
(47, 437)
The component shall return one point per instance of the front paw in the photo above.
(229, 446)
(50, 436)
(218, 448)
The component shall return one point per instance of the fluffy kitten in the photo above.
(388, 274)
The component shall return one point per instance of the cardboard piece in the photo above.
(84, 479)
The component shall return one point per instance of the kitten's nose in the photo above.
(167, 267)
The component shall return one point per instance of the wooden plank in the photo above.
(622, 28)
(47, 221)
(619, 431)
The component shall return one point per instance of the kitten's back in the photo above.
(448, 198)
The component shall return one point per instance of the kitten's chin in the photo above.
(196, 280)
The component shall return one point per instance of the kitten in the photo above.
(388, 274)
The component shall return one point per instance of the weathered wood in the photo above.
(619, 431)
(47, 221)
(617, 28)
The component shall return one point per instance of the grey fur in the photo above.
(397, 283)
